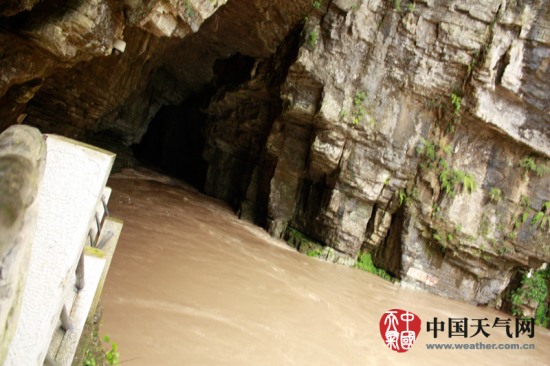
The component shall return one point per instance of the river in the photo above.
(190, 284)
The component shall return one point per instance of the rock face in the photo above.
(389, 117)
(416, 130)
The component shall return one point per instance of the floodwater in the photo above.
(190, 284)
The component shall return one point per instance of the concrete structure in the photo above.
(22, 159)
(63, 274)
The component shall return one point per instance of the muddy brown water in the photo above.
(190, 284)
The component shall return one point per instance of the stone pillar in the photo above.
(22, 158)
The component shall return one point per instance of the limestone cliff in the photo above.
(419, 131)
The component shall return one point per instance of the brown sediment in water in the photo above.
(190, 284)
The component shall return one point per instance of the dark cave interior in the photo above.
(175, 139)
(174, 142)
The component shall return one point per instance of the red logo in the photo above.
(399, 329)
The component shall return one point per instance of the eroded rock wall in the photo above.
(113, 94)
(372, 89)
(416, 130)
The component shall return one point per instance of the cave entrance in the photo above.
(174, 142)
(175, 139)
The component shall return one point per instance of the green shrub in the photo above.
(312, 38)
(532, 288)
(452, 179)
(529, 165)
(359, 110)
(427, 149)
(188, 9)
(456, 101)
(525, 202)
(469, 183)
(364, 262)
(314, 252)
(542, 218)
(433, 156)
(448, 110)
(397, 5)
(101, 353)
(495, 195)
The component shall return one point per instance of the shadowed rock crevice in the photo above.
(388, 254)
(241, 116)
(174, 142)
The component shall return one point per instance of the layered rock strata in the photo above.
(418, 131)
(389, 118)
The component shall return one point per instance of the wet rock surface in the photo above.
(418, 131)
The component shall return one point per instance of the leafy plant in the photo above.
(402, 197)
(529, 165)
(456, 101)
(314, 252)
(359, 97)
(445, 237)
(512, 235)
(433, 154)
(303, 243)
(427, 149)
(502, 249)
(451, 179)
(533, 288)
(436, 211)
(101, 353)
(521, 217)
(525, 201)
(397, 4)
(364, 262)
(448, 110)
(520, 220)
(542, 218)
(483, 228)
(312, 38)
(89, 359)
(316, 4)
(359, 109)
(189, 10)
(469, 183)
(495, 195)
(111, 355)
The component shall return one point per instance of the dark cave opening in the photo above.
(174, 142)
(232, 71)
(175, 139)
(389, 253)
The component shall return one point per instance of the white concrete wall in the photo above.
(74, 178)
